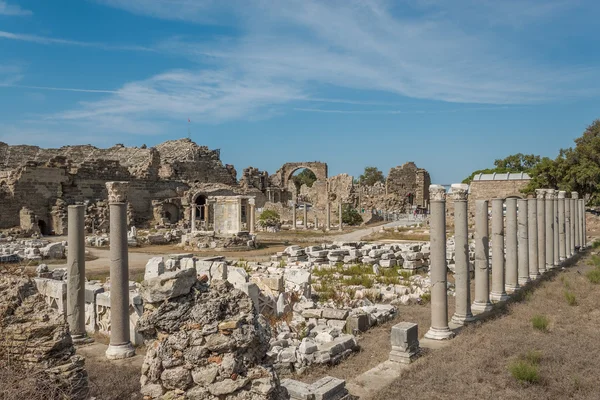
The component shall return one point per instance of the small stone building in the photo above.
(489, 186)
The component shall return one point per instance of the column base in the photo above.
(549, 267)
(524, 281)
(481, 307)
(510, 289)
(534, 277)
(562, 259)
(496, 297)
(439, 334)
(120, 351)
(462, 319)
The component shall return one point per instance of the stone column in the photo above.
(549, 229)
(294, 217)
(583, 224)
(498, 293)
(541, 229)
(532, 228)
(562, 245)
(207, 216)
(305, 217)
(120, 345)
(575, 197)
(193, 219)
(462, 314)
(76, 273)
(341, 227)
(316, 222)
(568, 228)
(556, 258)
(573, 222)
(328, 216)
(482, 258)
(523, 241)
(439, 296)
(252, 204)
(512, 260)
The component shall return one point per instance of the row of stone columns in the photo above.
(541, 233)
(327, 217)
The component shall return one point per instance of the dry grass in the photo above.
(479, 363)
(108, 382)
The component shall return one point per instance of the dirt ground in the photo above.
(476, 363)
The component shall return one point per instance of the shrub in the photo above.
(268, 218)
(524, 371)
(350, 216)
(594, 276)
(540, 322)
(570, 297)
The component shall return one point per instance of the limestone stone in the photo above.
(168, 285)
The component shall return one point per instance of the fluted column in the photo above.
(120, 345)
(512, 260)
(541, 229)
(523, 241)
(583, 224)
(549, 229)
(498, 292)
(575, 197)
(439, 297)
(573, 222)
(482, 258)
(532, 228)
(462, 280)
(562, 244)
(76, 273)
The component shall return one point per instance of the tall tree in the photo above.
(371, 176)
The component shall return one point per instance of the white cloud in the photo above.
(55, 41)
(12, 10)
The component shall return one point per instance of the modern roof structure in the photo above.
(510, 176)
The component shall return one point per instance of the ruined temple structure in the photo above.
(175, 183)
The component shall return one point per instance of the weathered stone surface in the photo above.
(168, 285)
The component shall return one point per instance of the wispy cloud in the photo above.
(59, 88)
(10, 74)
(285, 53)
(13, 10)
(67, 42)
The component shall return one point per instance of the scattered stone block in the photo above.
(405, 342)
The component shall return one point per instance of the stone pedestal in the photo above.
(498, 293)
(562, 244)
(462, 314)
(405, 342)
(439, 296)
(533, 242)
(549, 229)
(120, 345)
(541, 229)
(76, 273)
(482, 258)
(523, 241)
(575, 197)
(512, 260)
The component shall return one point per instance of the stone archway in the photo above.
(287, 170)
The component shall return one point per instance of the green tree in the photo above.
(514, 163)
(371, 176)
(305, 177)
(350, 216)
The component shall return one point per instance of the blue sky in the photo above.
(451, 85)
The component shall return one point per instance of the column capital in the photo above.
(562, 194)
(574, 195)
(550, 194)
(459, 191)
(252, 201)
(540, 193)
(437, 193)
(117, 191)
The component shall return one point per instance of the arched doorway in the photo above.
(200, 202)
(298, 178)
(43, 227)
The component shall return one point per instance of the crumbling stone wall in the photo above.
(409, 181)
(36, 346)
(487, 190)
(204, 342)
